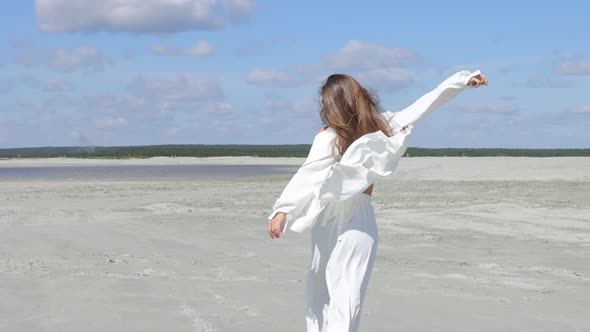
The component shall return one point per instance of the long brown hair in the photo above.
(351, 110)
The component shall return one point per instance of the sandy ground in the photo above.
(466, 244)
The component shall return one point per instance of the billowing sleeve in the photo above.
(298, 194)
(426, 104)
(369, 157)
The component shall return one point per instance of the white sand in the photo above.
(466, 244)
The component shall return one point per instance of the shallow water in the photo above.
(166, 172)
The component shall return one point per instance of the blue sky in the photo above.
(137, 72)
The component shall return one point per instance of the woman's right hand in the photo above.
(276, 225)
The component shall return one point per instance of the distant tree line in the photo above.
(298, 150)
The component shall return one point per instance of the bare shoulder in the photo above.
(323, 129)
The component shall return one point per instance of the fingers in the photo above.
(274, 229)
(484, 81)
(270, 232)
(475, 81)
(478, 81)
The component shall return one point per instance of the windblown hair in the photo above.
(351, 110)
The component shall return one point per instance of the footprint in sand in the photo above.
(530, 299)
(236, 307)
(198, 323)
(246, 255)
(220, 272)
(168, 208)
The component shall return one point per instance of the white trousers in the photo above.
(344, 245)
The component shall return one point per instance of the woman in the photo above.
(331, 192)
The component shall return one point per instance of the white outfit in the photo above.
(325, 195)
(343, 251)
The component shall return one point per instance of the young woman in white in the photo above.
(331, 192)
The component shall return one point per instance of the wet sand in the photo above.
(466, 244)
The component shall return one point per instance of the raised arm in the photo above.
(444, 92)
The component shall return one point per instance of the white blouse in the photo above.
(322, 179)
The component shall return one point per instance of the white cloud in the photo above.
(177, 90)
(220, 108)
(360, 55)
(62, 102)
(239, 10)
(284, 119)
(547, 82)
(153, 99)
(140, 16)
(291, 107)
(581, 109)
(63, 60)
(280, 109)
(57, 84)
(113, 104)
(573, 68)
(568, 119)
(503, 65)
(68, 61)
(489, 108)
(141, 113)
(271, 77)
(200, 49)
(377, 66)
(151, 102)
(386, 79)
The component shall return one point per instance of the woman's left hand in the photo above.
(477, 81)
